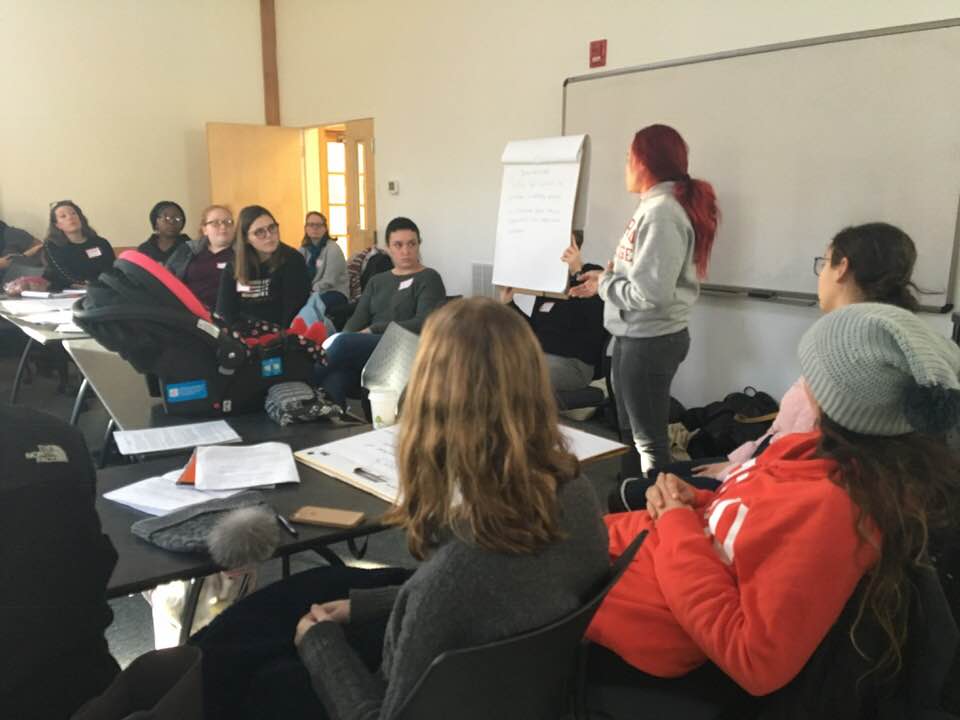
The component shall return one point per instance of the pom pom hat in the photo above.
(880, 370)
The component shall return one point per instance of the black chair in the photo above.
(527, 677)
(835, 684)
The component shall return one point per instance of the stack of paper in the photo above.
(69, 292)
(233, 468)
(52, 317)
(175, 437)
(368, 461)
(161, 495)
(28, 307)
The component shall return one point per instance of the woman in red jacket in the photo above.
(753, 576)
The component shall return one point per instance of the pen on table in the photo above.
(287, 526)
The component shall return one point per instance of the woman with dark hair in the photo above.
(167, 220)
(268, 280)
(406, 295)
(865, 263)
(651, 284)
(754, 575)
(490, 499)
(326, 264)
(73, 253)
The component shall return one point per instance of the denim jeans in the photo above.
(642, 370)
(345, 360)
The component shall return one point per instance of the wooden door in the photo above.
(259, 165)
(361, 195)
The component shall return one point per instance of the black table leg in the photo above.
(329, 555)
(15, 391)
(107, 445)
(190, 603)
(78, 403)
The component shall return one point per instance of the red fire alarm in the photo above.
(598, 53)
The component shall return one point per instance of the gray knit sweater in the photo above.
(461, 596)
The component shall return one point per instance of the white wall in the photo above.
(449, 83)
(104, 102)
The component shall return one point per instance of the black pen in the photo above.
(287, 526)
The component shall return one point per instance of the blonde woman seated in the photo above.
(491, 501)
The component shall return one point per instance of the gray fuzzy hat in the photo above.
(880, 370)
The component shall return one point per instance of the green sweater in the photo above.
(403, 299)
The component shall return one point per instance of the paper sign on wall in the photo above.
(541, 192)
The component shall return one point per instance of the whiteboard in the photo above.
(540, 191)
(799, 142)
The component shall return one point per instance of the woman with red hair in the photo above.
(651, 284)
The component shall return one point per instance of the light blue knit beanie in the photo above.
(880, 370)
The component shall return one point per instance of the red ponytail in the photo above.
(663, 152)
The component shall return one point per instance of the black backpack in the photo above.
(726, 425)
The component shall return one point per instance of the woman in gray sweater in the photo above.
(492, 502)
(406, 295)
(651, 284)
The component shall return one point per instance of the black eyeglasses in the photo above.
(261, 233)
(171, 218)
(316, 225)
(819, 263)
(220, 223)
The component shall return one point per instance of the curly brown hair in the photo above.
(905, 487)
(479, 451)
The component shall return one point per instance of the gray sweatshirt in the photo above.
(654, 280)
(461, 596)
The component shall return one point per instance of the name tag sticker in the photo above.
(405, 284)
(546, 307)
(221, 266)
(94, 252)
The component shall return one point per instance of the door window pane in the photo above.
(338, 220)
(363, 218)
(337, 189)
(361, 168)
(336, 157)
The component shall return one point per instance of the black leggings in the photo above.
(250, 665)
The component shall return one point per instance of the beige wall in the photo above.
(104, 102)
(450, 82)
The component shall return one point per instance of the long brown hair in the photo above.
(904, 487)
(56, 236)
(246, 263)
(663, 152)
(479, 450)
(881, 258)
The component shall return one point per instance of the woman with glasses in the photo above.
(268, 280)
(326, 264)
(167, 220)
(866, 263)
(73, 253)
(200, 263)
